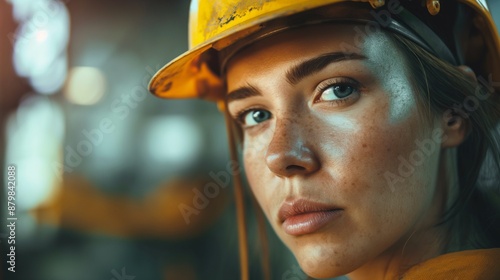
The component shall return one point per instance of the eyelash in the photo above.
(337, 81)
(240, 115)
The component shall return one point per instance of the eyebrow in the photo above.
(298, 72)
(316, 64)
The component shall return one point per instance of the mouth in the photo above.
(300, 217)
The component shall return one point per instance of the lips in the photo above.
(299, 217)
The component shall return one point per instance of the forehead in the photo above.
(286, 47)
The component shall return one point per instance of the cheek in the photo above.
(383, 175)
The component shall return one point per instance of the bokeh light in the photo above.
(85, 85)
(173, 139)
(40, 43)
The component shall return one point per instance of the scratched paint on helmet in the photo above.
(225, 14)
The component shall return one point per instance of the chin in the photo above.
(320, 262)
(320, 270)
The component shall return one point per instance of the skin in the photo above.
(337, 152)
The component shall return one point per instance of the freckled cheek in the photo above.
(370, 152)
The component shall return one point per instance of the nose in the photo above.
(289, 152)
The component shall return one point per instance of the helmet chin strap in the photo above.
(261, 228)
(239, 197)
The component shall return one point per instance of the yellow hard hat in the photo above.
(458, 31)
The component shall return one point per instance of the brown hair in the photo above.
(475, 215)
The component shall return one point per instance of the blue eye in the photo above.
(337, 91)
(254, 117)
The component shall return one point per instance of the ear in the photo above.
(455, 129)
(455, 125)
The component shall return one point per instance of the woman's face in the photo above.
(334, 149)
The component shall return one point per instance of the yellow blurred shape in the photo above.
(81, 206)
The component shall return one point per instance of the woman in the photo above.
(368, 132)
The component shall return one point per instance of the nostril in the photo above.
(295, 168)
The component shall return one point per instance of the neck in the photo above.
(427, 240)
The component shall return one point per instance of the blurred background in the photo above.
(111, 181)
